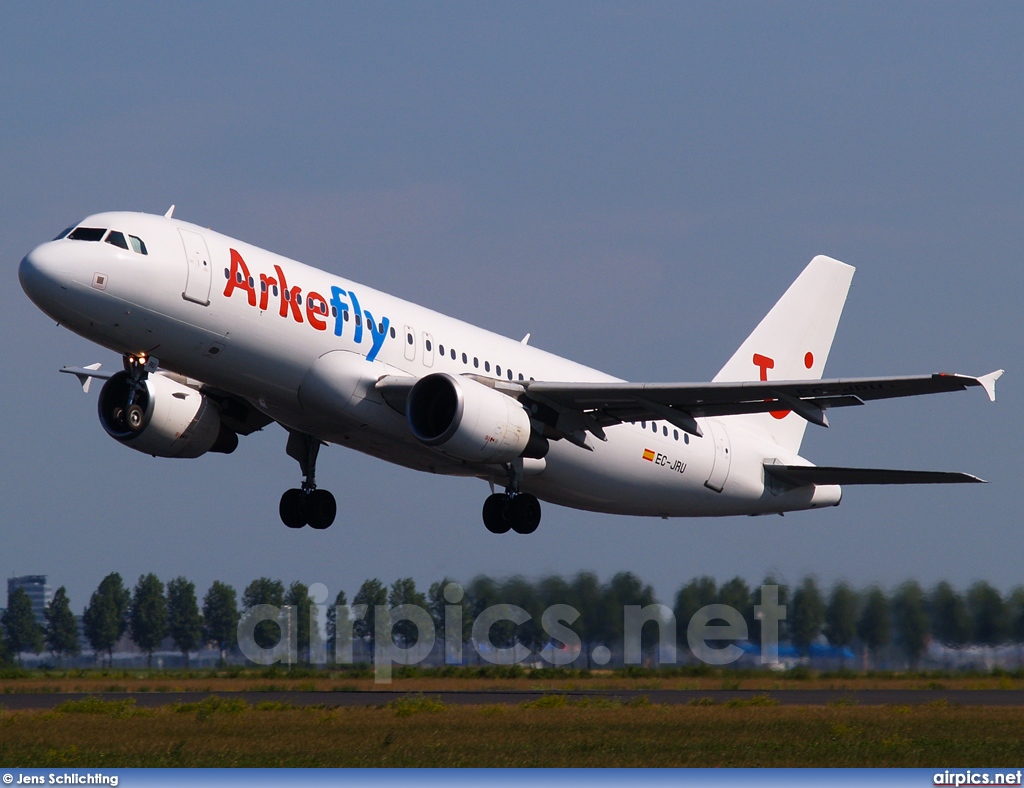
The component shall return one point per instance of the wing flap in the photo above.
(804, 475)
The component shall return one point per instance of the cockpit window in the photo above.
(117, 239)
(138, 244)
(87, 234)
(64, 232)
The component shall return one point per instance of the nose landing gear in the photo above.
(130, 415)
(308, 505)
(512, 510)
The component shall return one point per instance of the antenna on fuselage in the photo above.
(525, 340)
(170, 213)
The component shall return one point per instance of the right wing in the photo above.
(86, 374)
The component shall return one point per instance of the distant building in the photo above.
(39, 592)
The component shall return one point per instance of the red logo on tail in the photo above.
(763, 363)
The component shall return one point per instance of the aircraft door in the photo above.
(200, 272)
(723, 456)
(428, 350)
(410, 344)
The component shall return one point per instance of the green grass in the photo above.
(419, 679)
(419, 730)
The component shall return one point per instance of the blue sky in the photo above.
(634, 184)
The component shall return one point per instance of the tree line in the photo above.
(908, 618)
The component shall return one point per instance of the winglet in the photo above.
(170, 213)
(988, 382)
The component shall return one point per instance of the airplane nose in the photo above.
(42, 274)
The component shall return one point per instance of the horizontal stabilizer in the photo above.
(803, 475)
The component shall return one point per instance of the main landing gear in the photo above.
(308, 505)
(512, 510)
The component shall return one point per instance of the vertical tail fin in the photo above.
(792, 343)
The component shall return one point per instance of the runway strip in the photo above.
(787, 697)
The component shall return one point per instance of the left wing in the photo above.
(681, 404)
(571, 407)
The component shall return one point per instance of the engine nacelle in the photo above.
(166, 419)
(468, 420)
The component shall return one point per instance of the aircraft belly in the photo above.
(637, 472)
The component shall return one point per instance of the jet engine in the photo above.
(164, 418)
(468, 420)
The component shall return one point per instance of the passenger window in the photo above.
(393, 334)
(117, 239)
(138, 244)
(408, 338)
(487, 366)
(453, 354)
(428, 345)
(440, 349)
(664, 431)
(344, 314)
(508, 372)
(87, 234)
(521, 376)
(686, 438)
(476, 363)
(654, 428)
(643, 425)
(675, 434)
(497, 368)
(465, 359)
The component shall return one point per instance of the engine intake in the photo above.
(468, 420)
(165, 419)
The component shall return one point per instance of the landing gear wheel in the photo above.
(496, 513)
(291, 508)
(320, 509)
(524, 513)
(136, 418)
(308, 506)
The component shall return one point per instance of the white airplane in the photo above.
(221, 338)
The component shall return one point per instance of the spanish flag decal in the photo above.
(648, 455)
